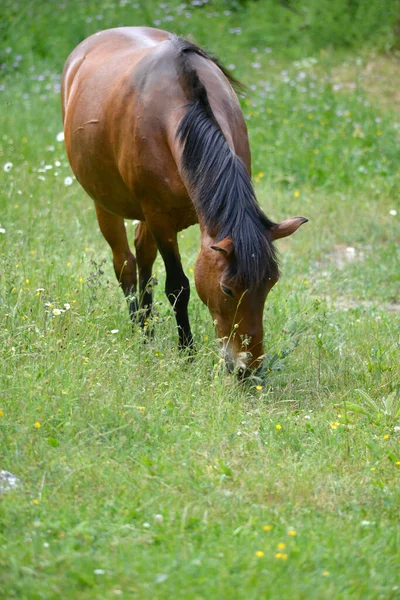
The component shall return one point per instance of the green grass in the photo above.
(143, 476)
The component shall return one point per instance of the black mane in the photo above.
(220, 185)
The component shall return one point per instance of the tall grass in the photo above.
(140, 475)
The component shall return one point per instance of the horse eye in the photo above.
(227, 291)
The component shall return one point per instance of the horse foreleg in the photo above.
(146, 252)
(177, 286)
(113, 229)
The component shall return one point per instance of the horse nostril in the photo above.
(243, 373)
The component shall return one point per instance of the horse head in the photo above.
(237, 309)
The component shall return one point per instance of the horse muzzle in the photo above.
(240, 363)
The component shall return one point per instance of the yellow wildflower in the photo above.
(267, 527)
(292, 532)
(278, 427)
(37, 425)
(296, 194)
(259, 553)
(259, 387)
(281, 546)
(325, 574)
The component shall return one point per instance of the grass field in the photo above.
(141, 476)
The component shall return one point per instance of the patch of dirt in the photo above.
(346, 304)
(377, 76)
(393, 306)
(342, 255)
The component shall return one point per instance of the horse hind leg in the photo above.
(113, 229)
(146, 252)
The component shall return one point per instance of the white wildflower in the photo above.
(8, 481)
(60, 136)
(7, 167)
(68, 181)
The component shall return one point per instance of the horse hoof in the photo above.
(189, 351)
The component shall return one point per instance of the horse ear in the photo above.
(225, 246)
(287, 227)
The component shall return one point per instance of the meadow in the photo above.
(139, 475)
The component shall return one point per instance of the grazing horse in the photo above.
(154, 132)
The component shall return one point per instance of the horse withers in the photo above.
(154, 132)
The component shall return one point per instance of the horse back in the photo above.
(123, 99)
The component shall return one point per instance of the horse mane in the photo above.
(221, 187)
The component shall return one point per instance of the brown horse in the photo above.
(154, 132)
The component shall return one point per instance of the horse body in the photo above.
(123, 101)
(143, 112)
